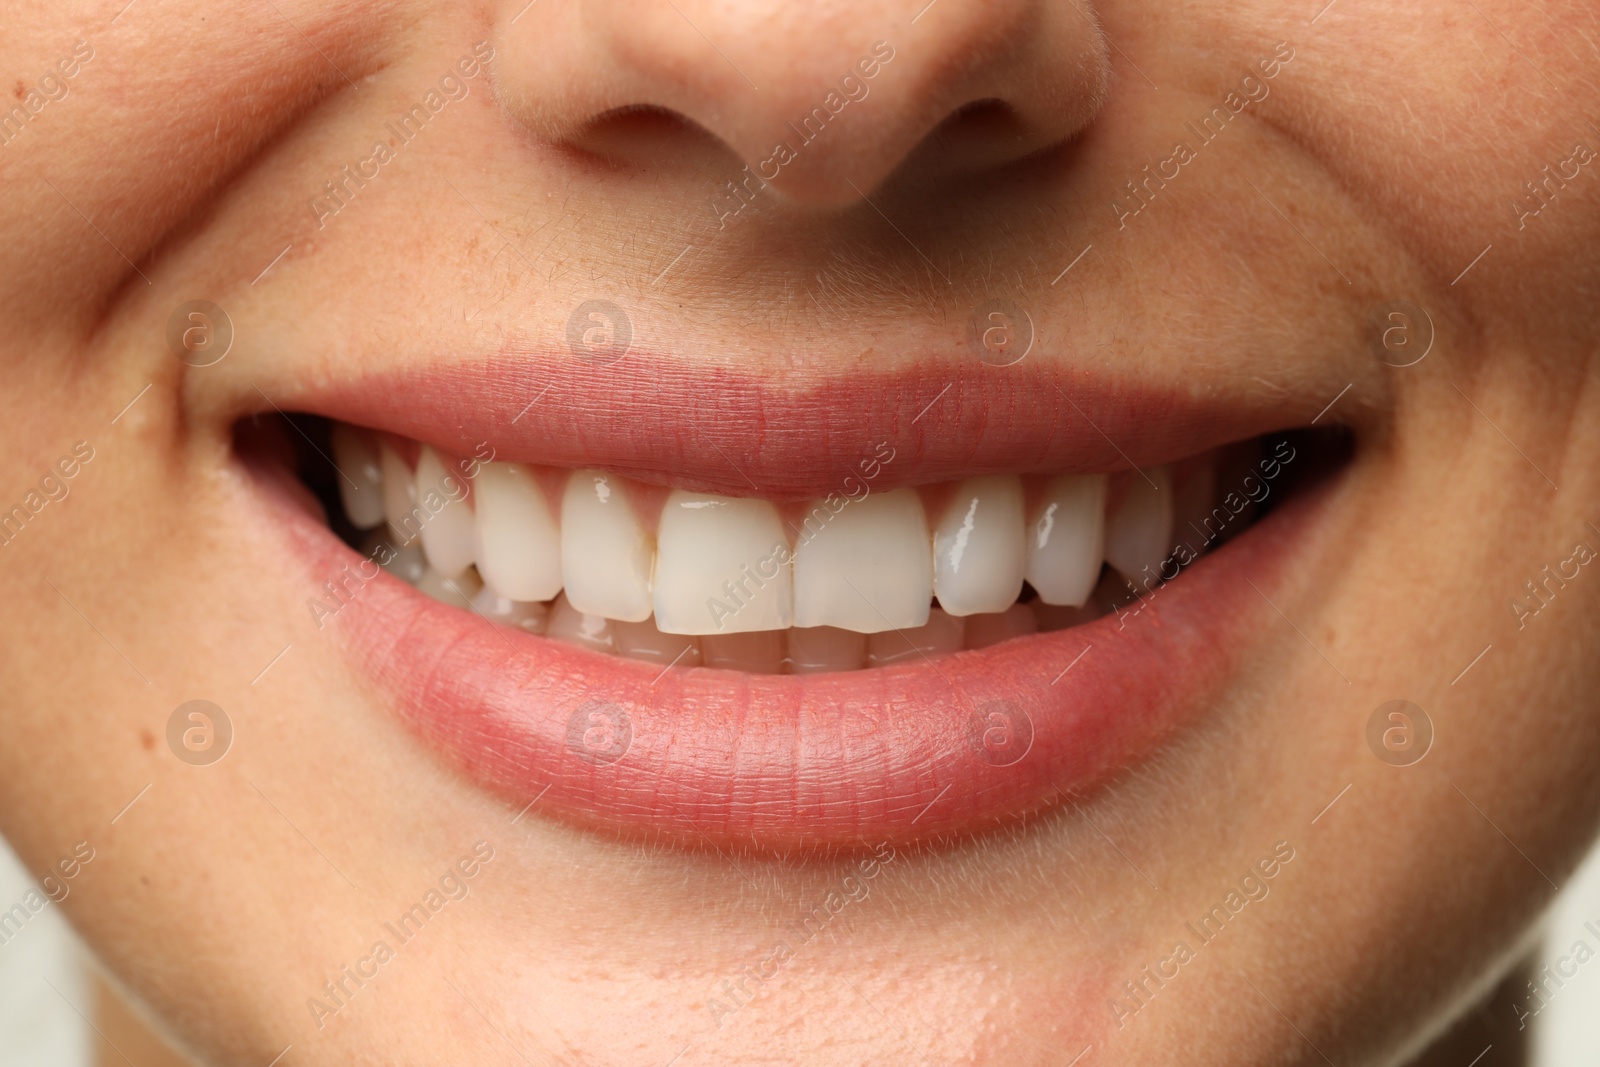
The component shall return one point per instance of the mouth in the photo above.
(895, 632)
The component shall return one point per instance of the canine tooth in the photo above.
(529, 616)
(406, 563)
(817, 649)
(942, 634)
(356, 455)
(642, 640)
(978, 546)
(869, 567)
(569, 624)
(985, 630)
(1139, 532)
(456, 591)
(758, 652)
(399, 496)
(1066, 543)
(606, 556)
(449, 533)
(518, 544)
(722, 566)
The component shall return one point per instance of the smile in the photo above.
(855, 655)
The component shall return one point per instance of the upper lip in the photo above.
(719, 429)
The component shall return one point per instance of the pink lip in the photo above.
(895, 754)
(794, 436)
(695, 756)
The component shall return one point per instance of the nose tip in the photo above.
(821, 102)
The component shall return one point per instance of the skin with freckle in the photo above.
(373, 191)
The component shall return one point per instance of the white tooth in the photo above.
(355, 454)
(449, 533)
(455, 591)
(942, 635)
(978, 546)
(399, 496)
(984, 630)
(641, 640)
(519, 546)
(1066, 543)
(606, 556)
(722, 566)
(817, 649)
(866, 568)
(1139, 532)
(758, 653)
(530, 616)
(569, 624)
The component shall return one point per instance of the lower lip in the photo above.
(949, 746)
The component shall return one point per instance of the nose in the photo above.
(823, 99)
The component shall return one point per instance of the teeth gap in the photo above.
(688, 579)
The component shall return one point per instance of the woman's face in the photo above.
(839, 311)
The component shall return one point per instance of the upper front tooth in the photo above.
(519, 546)
(399, 495)
(448, 532)
(722, 566)
(606, 556)
(1139, 532)
(1067, 542)
(866, 568)
(355, 454)
(978, 546)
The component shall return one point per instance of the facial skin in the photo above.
(182, 163)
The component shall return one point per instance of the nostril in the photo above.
(979, 136)
(645, 133)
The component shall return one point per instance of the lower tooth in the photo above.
(942, 634)
(406, 563)
(758, 652)
(457, 592)
(985, 630)
(1052, 617)
(529, 616)
(641, 640)
(1139, 532)
(818, 649)
(569, 624)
